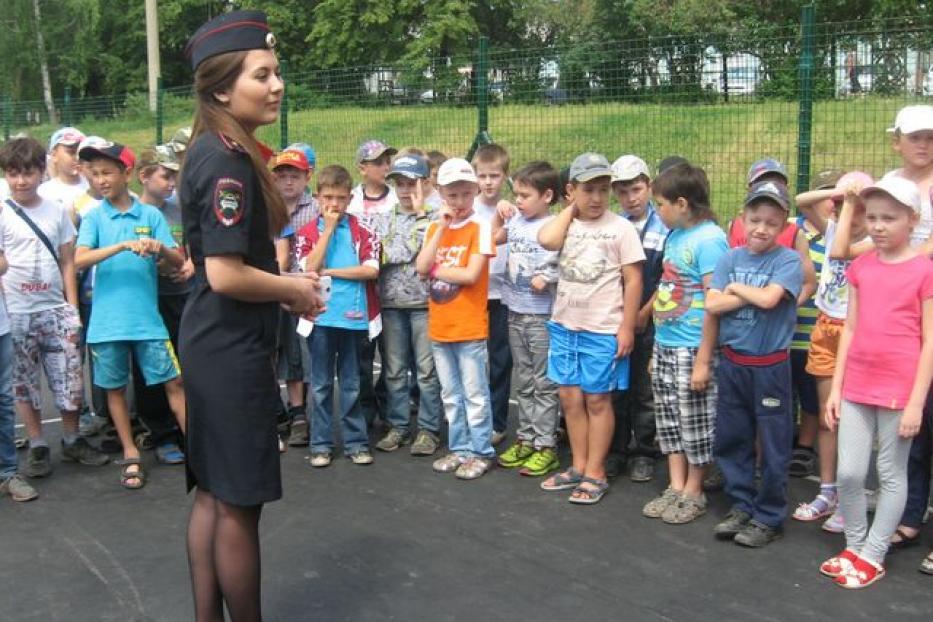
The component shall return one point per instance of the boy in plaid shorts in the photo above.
(42, 299)
(685, 338)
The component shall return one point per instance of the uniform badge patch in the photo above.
(228, 201)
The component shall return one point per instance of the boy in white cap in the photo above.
(454, 257)
(66, 182)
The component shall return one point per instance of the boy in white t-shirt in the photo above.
(42, 299)
(66, 182)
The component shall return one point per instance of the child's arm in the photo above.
(700, 375)
(551, 236)
(719, 302)
(424, 263)
(766, 297)
(85, 256)
(806, 202)
(809, 271)
(834, 402)
(913, 411)
(282, 251)
(66, 254)
(315, 260)
(843, 248)
(504, 211)
(4, 264)
(353, 273)
(644, 314)
(631, 296)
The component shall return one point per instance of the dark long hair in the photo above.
(216, 74)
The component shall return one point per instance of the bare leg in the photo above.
(677, 465)
(826, 438)
(119, 412)
(175, 394)
(237, 560)
(694, 483)
(208, 606)
(574, 406)
(31, 418)
(600, 426)
(296, 392)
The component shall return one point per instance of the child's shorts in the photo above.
(685, 419)
(51, 340)
(824, 342)
(585, 359)
(155, 358)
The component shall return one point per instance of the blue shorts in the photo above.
(587, 360)
(804, 384)
(155, 358)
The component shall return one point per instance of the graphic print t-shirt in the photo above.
(689, 255)
(34, 281)
(589, 286)
(458, 312)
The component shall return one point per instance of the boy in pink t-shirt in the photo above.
(883, 372)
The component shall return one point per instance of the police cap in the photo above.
(229, 32)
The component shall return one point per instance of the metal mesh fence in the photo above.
(821, 95)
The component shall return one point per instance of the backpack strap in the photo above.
(35, 229)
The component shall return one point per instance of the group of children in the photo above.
(634, 333)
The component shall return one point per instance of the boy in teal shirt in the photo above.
(125, 316)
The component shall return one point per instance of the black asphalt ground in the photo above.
(395, 541)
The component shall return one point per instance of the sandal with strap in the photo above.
(905, 541)
(127, 476)
(589, 496)
(565, 480)
(821, 507)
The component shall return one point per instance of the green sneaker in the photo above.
(516, 455)
(540, 463)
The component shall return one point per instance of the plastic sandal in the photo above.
(589, 496)
(821, 507)
(565, 480)
(127, 476)
(905, 541)
(926, 566)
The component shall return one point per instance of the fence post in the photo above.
(283, 114)
(66, 107)
(805, 114)
(160, 111)
(7, 116)
(482, 97)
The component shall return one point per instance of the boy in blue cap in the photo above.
(753, 292)
(404, 296)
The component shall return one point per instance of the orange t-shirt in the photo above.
(458, 312)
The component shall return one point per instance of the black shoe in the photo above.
(38, 462)
(802, 462)
(734, 522)
(757, 535)
(615, 464)
(642, 469)
(714, 480)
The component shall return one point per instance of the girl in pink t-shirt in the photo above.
(883, 372)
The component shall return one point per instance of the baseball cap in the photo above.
(763, 167)
(629, 167)
(293, 158)
(411, 166)
(589, 166)
(180, 140)
(849, 179)
(306, 149)
(69, 136)
(826, 180)
(372, 149)
(111, 151)
(769, 190)
(902, 190)
(229, 32)
(160, 155)
(92, 141)
(454, 170)
(912, 119)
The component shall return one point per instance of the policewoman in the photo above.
(231, 210)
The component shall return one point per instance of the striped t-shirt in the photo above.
(807, 312)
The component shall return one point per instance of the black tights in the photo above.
(223, 555)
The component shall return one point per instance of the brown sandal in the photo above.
(127, 476)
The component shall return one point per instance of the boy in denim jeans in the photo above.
(338, 245)
(454, 256)
(404, 298)
(10, 480)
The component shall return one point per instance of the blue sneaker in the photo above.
(169, 453)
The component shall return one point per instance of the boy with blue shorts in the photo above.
(753, 292)
(592, 327)
(125, 316)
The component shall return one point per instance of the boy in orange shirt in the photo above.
(454, 257)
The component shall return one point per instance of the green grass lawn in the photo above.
(723, 138)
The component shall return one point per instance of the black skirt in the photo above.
(226, 350)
